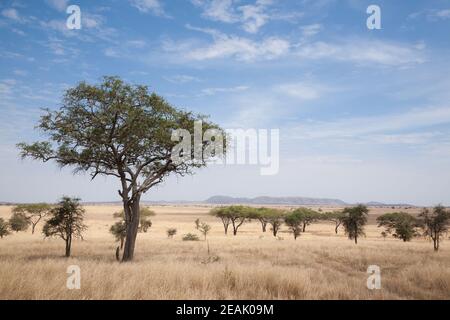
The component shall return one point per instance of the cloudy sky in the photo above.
(363, 114)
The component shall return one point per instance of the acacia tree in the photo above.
(122, 130)
(335, 217)
(275, 219)
(354, 220)
(4, 228)
(435, 223)
(19, 222)
(34, 212)
(307, 216)
(261, 215)
(222, 213)
(66, 222)
(294, 222)
(401, 225)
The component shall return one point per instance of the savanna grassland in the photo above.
(251, 265)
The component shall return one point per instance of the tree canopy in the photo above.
(401, 225)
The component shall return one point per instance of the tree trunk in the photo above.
(356, 239)
(33, 226)
(263, 225)
(234, 231)
(274, 231)
(132, 230)
(304, 227)
(336, 229)
(68, 245)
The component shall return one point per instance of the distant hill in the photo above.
(275, 201)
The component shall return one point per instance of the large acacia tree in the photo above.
(120, 130)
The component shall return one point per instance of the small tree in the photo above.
(307, 216)
(354, 221)
(435, 223)
(119, 231)
(335, 217)
(384, 234)
(204, 228)
(275, 219)
(171, 232)
(19, 222)
(401, 225)
(224, 216)
(197, 223)
(261, 215)
(4, 228)
(294, 222)
(34, 212)
(66, 222)
(236, 215)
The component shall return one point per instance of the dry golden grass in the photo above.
(252, 265)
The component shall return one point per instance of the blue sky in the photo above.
(363, 114)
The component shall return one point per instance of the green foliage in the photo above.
(274, 218)
(4, 228)
(307, 216)
(236, 215)
(171, 232)
(66, 222)
(294, 221)
(435, 223)
(400, 224)
(144, 222)
(354, 220)
(336, 217)
(190, 237)
(19, 222)
(119, 230)
(33, 212)
(204, 228)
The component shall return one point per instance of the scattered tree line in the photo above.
(65, 220)
(433, 223)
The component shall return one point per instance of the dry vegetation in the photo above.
(252, 265)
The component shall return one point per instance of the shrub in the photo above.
(190, 237)
(171, 232)
(19, 222)
(4, 228)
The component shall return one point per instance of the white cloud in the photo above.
(311, 30)
(229, 46)
(365, 52)
(251, 16)
(19, 72)
(300, 90)
(442, 14)
(12, 14)
(60, 5)
(145, 6)
(212, 91)
(181, 78)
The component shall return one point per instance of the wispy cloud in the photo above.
(212, 91)
(251, 17)
(181, 78)
(229, 46)
(60, 5)
(364, 52)
(12, 14)
(153, 6)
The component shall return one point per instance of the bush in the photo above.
(171, 232)
(19, 222)
(190, 237)
(4, 228)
